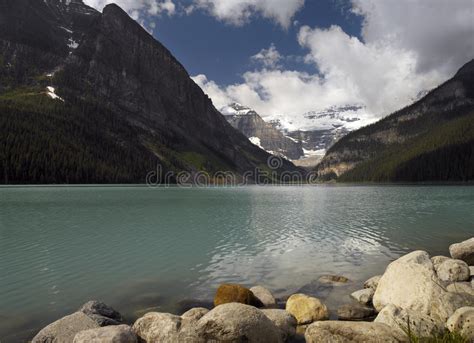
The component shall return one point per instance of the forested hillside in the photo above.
(89, 97)
(431, 140)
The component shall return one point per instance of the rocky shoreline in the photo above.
(418, 296)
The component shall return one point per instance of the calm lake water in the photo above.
(140, 249)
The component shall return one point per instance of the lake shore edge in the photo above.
(418, 296)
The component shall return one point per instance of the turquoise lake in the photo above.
(145, 249)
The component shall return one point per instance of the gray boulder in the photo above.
(373, 282)
(265, 296)
(101, 313)
(63, 330)
(107, 334)
(364, 296)
(282, 320)
(401, 320)
(463, 251)
(342, 332)
(355, 312)
(453, 271)
(235, 322)
(462, 321)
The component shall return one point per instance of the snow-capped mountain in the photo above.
(349, 116)
(261, 133)
(319, 130)
(314, 131)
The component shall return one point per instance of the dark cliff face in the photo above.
(271, 139)
(431, 140)
(112, 73)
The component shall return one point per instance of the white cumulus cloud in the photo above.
(406, 47)
(268, 57)
(238, 12)
(137, 8)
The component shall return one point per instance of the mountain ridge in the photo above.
(396, 147)
(124, 104)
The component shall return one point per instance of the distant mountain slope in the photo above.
(318, 130)
(90, 97)
(260, 132)
(431, 140)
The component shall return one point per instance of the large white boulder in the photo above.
(355, 332)
(463, 251)
(160, 327)
(107, 334)
(64, 329)
(412, 283)
(402, 320)
(236, 322)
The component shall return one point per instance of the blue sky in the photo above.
(222, 51)
(285, 58)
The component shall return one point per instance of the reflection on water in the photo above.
(166, 249)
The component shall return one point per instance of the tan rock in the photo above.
(355, 332)
(306, 309)
(228, 293)
(333, 279)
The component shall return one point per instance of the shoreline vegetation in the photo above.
(418, 298)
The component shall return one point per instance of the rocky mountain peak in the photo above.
(261, 133)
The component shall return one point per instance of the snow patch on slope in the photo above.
(51, 92)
